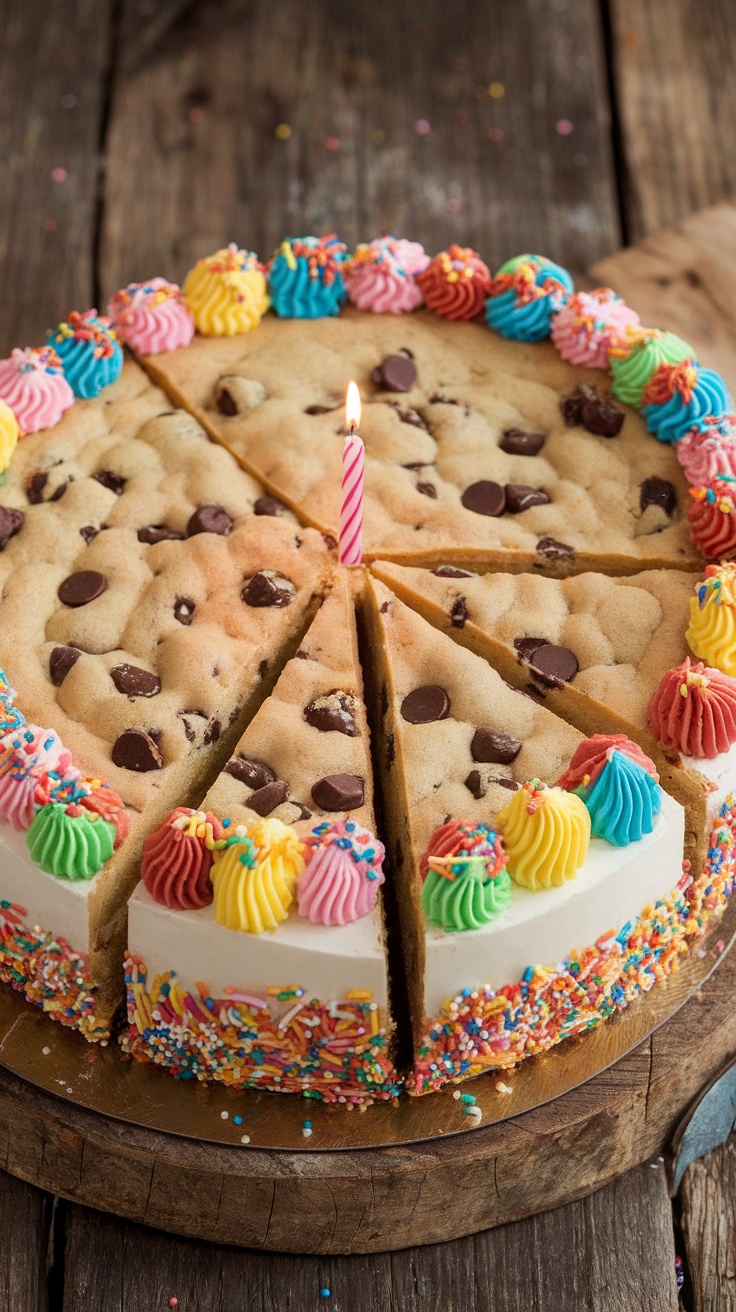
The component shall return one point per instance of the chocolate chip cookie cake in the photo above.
(354, 830)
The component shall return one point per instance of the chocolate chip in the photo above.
(484, 498)
(226, 403)
(474, 785)
(268, 506)
(656, 491)
(526, 647)
(159, 533)
(80, 588)
(135, 682)
(459, 613)
(397, 373)
(320, 409)
(408, 416)
(426, 704)
(89, 532)
(265, 800)
(184, 609)
(251, 771)
(517, 442)
(266, 588)
(512, 784)
(437, 398)
(61, 661)
(58, 494)
(35, 487)
(595, 412)
(452, 572)
(427, 490)
(492, 746)
(209, 519)
(330, 541)
(554, 665)
(339, 792)
(115, 482)
(520, 497)
(332, 712)
(11, 522)
(551, 549)
(134, 749)
(212, 732)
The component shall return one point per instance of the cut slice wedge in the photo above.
(603, 646)
(435, 697)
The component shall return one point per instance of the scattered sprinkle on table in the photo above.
(324, 1293)
(495, 134)
(282, 132)
(307, 1129)
(422, 127)
(59, 175)
(563, 127)
(245, 1138)
(45, 1051)
(496, 90)
(503, 1088)
(332, 143)
(224, 1115)
(237, 1120)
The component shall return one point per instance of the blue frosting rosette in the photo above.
(525, 295)
(622, 802)
(680, 397)
(89, 350)
(305, 277)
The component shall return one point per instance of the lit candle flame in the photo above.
(352, 407)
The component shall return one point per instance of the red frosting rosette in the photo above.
(694, 710)
(712, 518)
(178, 856)
(105, 802)
(456, 284)
(594, 753)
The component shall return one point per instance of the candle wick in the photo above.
(352, 427)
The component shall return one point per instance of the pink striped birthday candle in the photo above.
(353, 461)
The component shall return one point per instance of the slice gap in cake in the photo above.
(302, 766)
(591, 648)
(473, 461)
(457, 744)
(153, 632)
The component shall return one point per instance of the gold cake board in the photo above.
(88, 1124)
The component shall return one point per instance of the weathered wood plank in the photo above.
(674, 65)
(707, 1217)
(684, 278)
(51, 105)
(25, 1215)
(611, 1252)
(194, 160)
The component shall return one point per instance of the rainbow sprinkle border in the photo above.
(334, 1052)
(482, 1030)
(49, 973)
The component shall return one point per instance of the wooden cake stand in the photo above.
(238, 1168)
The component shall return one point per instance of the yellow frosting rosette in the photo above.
(255, 876)
(226, 292)
(546, 833)
(9, 434)
(712, 630)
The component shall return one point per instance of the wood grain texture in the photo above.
(25, 1215)
(566, 1259)
(707, 1219)
(52, 93)
(674, 63)
(201, 89)
(685, 279)
(377, 1199)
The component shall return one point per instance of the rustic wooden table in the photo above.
(139, 134)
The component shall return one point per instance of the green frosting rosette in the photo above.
(466, 882)
(633, 365)
(70, 842)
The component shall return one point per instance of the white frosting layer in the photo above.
(544, 928)
(720, 773)
(326, 961)
(58, 906)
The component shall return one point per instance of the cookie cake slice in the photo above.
(477, 452)
(145, 609)
(518, 927)
(259, 959)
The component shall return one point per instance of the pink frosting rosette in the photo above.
(382, 275)
(710, 452)
(27, 758)
(343, 874)
(32, 383)
(151, 316)
(590, 324)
